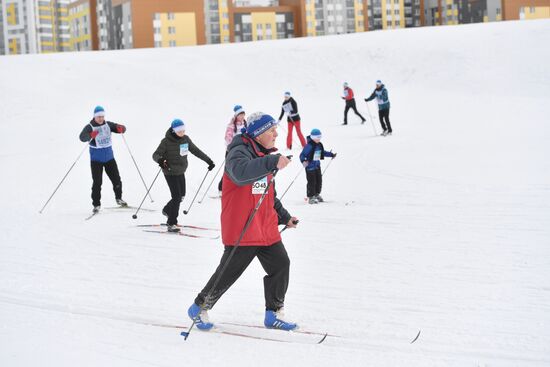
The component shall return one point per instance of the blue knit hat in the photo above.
(178, 125)
(316, 134)
(237, 110)
(378, 82)
(259, 123)
(287, 94)
(99, 111)
(346, 84)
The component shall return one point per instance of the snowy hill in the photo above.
(442, 227)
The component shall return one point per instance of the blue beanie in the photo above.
(287, 94)
(259, 123)
(379, 82)
(237, 110)
(178, 125)
(316, 134)
(99, 111)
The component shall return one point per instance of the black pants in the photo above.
(351, 104)
(177, 191)
(314, 182)
(385, 115)
(97, 176)
(275, 262)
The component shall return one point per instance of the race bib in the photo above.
(259, 186)
(317, 155)
(287, 107)
(103, 138)
(184, 149)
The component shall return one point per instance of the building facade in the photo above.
(452, 12)
(262, 23)
(17, 29)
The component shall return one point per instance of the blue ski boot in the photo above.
(274, 320)
(200, 317)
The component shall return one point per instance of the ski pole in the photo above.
(371, 119)
(135, 163)
(286, 226)
(63, 179)
(147, 193)
(328, 165)
(194, 197)
(248, 222)
(284, 193)
(213, 179)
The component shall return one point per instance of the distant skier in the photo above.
(238, 121)
(350, 103)
(311, 159)
(98, 134)
(171, 155)
(381, 95)
(248, 169)
(290, 107)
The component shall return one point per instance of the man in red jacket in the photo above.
(350, 103)
(249, 168)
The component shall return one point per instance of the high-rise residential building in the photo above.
(324, 17)
(263, 23)
(83, 25)
(17, 28)
(394, 14)
(525, 9)
(52, 25)
(216, 15)
(449, 12)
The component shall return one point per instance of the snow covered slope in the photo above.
(443, 227)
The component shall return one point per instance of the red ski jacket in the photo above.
(348, 94)
(248, 169)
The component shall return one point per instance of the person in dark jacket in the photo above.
(311, 159)
(381, 95)
(249, 168)
(350, 103)
(98, 135)
(171, 155)
(290, 107)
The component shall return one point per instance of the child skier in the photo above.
(98, 135)
(234, 127)
(290, 107)
(311, 159)
(171, 155)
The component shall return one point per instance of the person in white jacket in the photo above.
(238, 122)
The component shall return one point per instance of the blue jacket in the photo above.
(313, 153)
(381, 95)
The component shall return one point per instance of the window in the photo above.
(171, 30)
(172, 43)
(170, 16)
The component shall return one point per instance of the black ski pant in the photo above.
(351, 104)
(177, 191)
(111, 169)
(314, 182)
(275, 262)
(385, 115)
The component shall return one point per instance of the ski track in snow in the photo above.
(441, 228)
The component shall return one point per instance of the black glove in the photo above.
(366, 100)
(163, 163)
(333, 155)
(211, 166)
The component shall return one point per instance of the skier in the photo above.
(350, 103)
(98, 135)
(311, 159)
(238, 121)
(171, 155)
(381, 95)
(248, 169)
(290, 107)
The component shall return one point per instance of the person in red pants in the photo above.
(290, 107)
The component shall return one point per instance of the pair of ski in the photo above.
(259, 333)
(160, 228)
(115, 208)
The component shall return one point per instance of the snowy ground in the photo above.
(442, 227)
